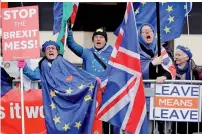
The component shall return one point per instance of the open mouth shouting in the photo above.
(148, 37)
(51, 52)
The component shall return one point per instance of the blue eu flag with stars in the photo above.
(69, 96)
(172, 17)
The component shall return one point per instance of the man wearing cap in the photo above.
(96, 58)
(51, 50)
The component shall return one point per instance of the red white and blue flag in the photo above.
(74, 13)
(167, 63)
(123, 103)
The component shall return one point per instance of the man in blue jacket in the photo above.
(95, 59)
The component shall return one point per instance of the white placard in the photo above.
(176, 102)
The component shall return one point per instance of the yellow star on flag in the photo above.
(56, 91)
(137, 11)
(185, 6)
(66, 127)
(143, 3)
(171, 19)
(52, 105)
(163, 3)
(91, 87)
(87, 98)
(96, 132)
(52, 93)
(167, 30)
(77, 124)
(170, 8)
(69, 91)
(56, 119)
(81, 86)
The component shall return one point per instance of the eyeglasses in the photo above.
(51, 48)
(146, 31)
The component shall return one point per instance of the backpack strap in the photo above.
(100, 61)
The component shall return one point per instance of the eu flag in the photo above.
(172, 17)
(69, 96)
(62, 12)
(6, 82)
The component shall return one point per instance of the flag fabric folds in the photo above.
(123, 103)
(6, 82)
(62, 12)
(172, 17)
(69, 96)
(74, 13)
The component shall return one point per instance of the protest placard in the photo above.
(175, 102)
(20, 33)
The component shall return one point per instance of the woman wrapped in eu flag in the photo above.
(68, 92)
(149, 61)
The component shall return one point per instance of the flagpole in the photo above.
(22, 101)
(22, 96)
(158, 28)
(158, 46)
(65, 41)
(189, 42)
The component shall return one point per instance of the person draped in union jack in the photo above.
(150, 60)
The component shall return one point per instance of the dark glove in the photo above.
(10, 79)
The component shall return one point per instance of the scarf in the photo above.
(185, 70)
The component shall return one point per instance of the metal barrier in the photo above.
(151, 92)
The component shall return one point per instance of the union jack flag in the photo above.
(123, 103)
(168, 63)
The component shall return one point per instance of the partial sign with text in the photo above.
(10, 112)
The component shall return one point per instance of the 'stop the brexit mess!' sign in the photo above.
(20, 33)
(174, 102)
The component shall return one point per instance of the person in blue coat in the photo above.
(95, 59)
(149, 61)
(35, 74)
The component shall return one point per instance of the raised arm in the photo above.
(73, 46)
